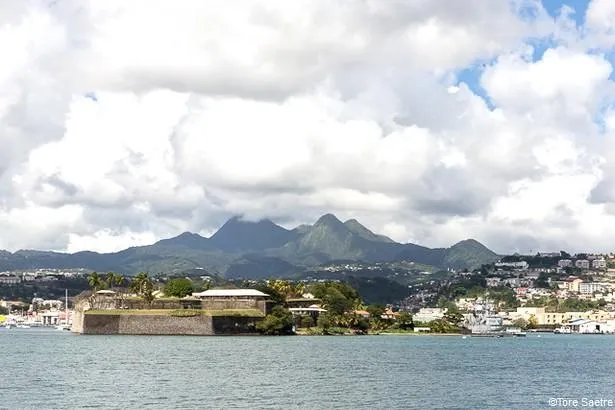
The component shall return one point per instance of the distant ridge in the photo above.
(237, 235)
(354, 226)
(258, 249)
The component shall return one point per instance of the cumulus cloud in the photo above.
(125, 122)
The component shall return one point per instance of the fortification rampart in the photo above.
(161, 324)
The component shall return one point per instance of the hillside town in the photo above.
(546, 291)
(549, 291)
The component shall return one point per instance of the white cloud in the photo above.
(112, 136)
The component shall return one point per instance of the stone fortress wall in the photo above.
(138, 324)
(180, 318)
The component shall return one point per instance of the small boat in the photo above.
(563, 330)
(22, 326)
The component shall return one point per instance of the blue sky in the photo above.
(471, 74)
(553, 7)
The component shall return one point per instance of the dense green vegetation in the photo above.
(178, 287)
(143, 286)
(278, 322)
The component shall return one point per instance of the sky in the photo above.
(123, 122)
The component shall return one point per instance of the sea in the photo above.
(52, 369)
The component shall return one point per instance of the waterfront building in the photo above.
(586, 326)
(314, 311)
(544, 318)
(425, 315)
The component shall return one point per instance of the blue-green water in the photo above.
(49, 369)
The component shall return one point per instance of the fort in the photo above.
(213, 312)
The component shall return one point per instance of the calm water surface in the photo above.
(49, 369)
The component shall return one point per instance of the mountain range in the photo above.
(259, 249)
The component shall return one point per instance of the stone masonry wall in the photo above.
(165, 325)
(126, 324)
(77, 325)
(101, 324)
(221, 304)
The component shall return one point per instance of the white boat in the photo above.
(563, 330)
(515, 332)
(485, 323)
(64, 326)
(22, 326)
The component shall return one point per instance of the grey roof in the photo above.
(230, 293)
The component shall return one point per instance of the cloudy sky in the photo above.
(126, 121)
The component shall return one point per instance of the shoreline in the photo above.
(382, 334)
(420, 334)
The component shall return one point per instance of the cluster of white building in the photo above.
(594, 321)
(583, 263)
(39, 313)
(38, 275)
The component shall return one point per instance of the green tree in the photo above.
(532, 322)
(275, 297)
(110, 280)
(442, 326)
(143, 286)
(95, 281)
(306, 322)
(324, 322)
(178, 287)
(521, 323)
(375, 311)
(336, 303)
(361, 325)
(326, 291)
(278, 322)
(404, 321)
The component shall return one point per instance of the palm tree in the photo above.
(95, 281)
(143, 286)
(114, 279)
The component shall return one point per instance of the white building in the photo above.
(425, 315)
(512, 282)
(582, 263)
(9, 279)
(587, 288)
(564, 263)
(514, 265)
(586, 326)
(599, 264)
